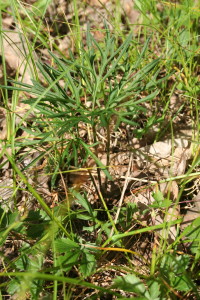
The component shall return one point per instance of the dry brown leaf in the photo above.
(160, 149)
(180, 158)
(169, 188)
(98, 3)
(3, 131)
(6, 191)
(16, 54)
(157, 158)
(132, 14)
(170, 233)
(192, 213)
(65, 44)
(7, 22)
(61, 7)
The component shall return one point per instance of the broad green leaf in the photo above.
(154, 290)
(164, 204)
(84, 217)
(83, 201)
(13, 286)
(67, 261)
(158, 196)
(160, 201)
(36, 262)
(91, 228)
(193, 233)
(174, 268)
(130, 283)
(63, 245)
(22, 263)
(182, 282)
(87, 264)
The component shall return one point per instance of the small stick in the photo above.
(123, 192)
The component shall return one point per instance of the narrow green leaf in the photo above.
(98, 162)
(36, 195)
(122, 49)
(49, 277)
(83, 201)
(116, 237)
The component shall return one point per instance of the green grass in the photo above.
(100, 88)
